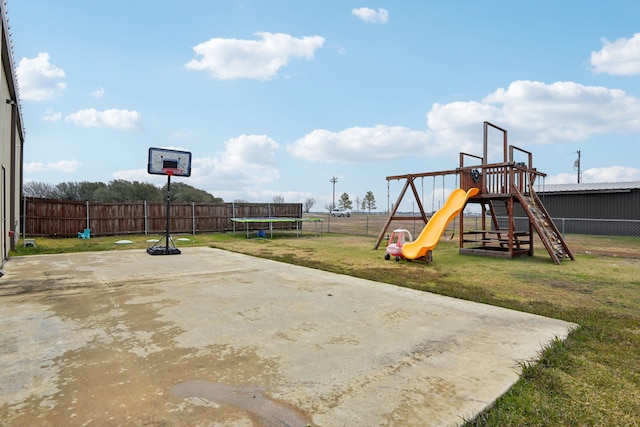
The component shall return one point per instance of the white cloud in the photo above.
(539, 113)
(380, 16)
(562, 178)
(611, 174)
(52, 116)
(241, 171)
(252, 59)
(98, 93)
(39, 80)
(457, 126)
(360, 144)
(247, 161)
(250, 150)
(533, 112)
(621, 57)
(65, 166)
(594, 175)
(114, 119)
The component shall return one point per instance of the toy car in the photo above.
(398, 238)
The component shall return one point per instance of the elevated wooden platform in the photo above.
(506, 185)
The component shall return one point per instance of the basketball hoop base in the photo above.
(163, 251)
(167, 249)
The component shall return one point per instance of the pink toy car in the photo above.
(398, 238)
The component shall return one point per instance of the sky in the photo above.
(276, 98)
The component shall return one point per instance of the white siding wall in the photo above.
(11, 140)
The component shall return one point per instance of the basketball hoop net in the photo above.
(171, 171)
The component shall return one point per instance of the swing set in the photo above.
(410, 183)
(504, 190)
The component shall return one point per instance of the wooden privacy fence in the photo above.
(65, 218)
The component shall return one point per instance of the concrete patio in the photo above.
(216, 338)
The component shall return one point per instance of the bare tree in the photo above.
(308, 204)
(329, 207)
(67, 191)
(38, 189)
(278, 199)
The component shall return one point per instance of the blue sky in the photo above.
(274, 98)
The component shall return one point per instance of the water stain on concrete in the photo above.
(266, 411)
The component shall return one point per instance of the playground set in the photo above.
(498, 188)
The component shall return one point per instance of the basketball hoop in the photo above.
(167, 162)
(163, 161)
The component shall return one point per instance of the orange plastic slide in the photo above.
(430, 235)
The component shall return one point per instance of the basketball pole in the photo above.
(167, 237)
(156, 249)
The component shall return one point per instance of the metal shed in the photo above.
(611, 208)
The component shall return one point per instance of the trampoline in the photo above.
(272, 220)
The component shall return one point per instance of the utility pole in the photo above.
(333, 181)
(576, 166)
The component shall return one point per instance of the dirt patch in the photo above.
(573, 287)
(609, 253)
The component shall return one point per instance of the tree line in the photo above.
(121, 190)
(367, 204)
(118, 190)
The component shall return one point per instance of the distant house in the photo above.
(611, 208)
(11, 145)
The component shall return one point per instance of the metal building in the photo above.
(611, 208)
(11, 143)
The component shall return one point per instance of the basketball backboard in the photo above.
(163, 161)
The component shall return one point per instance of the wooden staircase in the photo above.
(544, 226)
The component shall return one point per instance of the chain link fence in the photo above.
(588, 226)
(359, 224)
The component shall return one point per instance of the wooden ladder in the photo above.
(544, 226)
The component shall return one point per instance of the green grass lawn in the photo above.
(590, 379)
